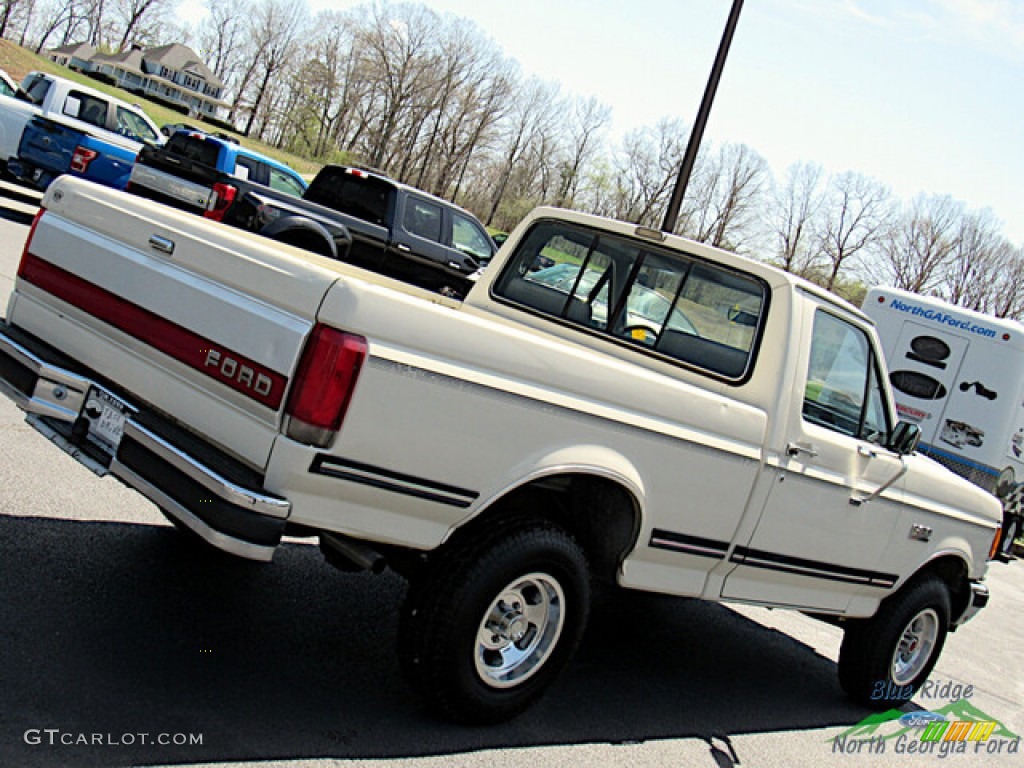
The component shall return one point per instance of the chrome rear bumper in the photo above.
(173, 469)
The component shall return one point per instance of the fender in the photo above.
(595, 460)
(308, 228)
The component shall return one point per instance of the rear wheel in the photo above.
(487, 628)
(307, 241)
(884, 660)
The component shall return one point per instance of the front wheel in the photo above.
(884, 660)
(487, 628)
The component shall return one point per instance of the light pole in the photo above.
(672, 214)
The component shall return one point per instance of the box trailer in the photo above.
(959, 375)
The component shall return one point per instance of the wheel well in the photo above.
(303, 238)
(952, 571)
(603, 516)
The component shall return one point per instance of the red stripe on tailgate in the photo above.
(218, 362)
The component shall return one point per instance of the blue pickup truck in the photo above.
(49, 148)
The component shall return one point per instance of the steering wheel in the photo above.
(640, 333)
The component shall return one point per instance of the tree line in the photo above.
(430, 100)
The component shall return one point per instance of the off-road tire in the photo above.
(529, 573)
(884, 660)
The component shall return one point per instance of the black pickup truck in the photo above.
(351, 214)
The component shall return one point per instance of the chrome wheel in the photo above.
(520, 630)
(916, 647)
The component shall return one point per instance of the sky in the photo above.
(922, 95)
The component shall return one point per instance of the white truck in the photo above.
(959, 375)
(607, 403)
(67, 102)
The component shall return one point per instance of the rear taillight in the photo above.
(223, 197)
(323, 384)
(28, 240)
(81, 158)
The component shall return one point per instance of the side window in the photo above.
(246, 169)
(667, 303)
(134, 127)
(843, 390)
(90, 109)
(468, 238)
(423, 218)
(283, 182)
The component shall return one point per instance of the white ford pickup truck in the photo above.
(607, 403)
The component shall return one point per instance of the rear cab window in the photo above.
(361, 195)
(194, 148)
(669, 304)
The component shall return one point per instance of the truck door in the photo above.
(818, 542)
(417, 236)
(924, 366)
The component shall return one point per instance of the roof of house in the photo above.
(78, 50)
(131, 59)
(182, 58)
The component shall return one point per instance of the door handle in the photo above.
(795, 449)
(162, 244)
(403, 248)
(866, 452)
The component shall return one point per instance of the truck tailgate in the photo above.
(171, 313)
(49, 145)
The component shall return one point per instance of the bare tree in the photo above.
(398, 48)
(532, 116)
(220, 36)
(919, 243)
(645, 170)
(855, 214)
(792, 209)
(480, 109)
(137, 19)
(277, 24)
(70, 20)
(589, 119)
(99, 32)
(8, 8)
(725, 199)
(980, 256)
(1007, 296)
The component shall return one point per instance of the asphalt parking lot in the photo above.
(113, 626)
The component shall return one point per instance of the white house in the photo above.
(73, 56)
(173, 74)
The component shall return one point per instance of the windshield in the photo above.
(135, 126)
(34, 89)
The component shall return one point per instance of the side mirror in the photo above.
(904, 438)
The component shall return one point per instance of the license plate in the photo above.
(106, 416)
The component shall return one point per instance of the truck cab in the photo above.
(75, 113)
